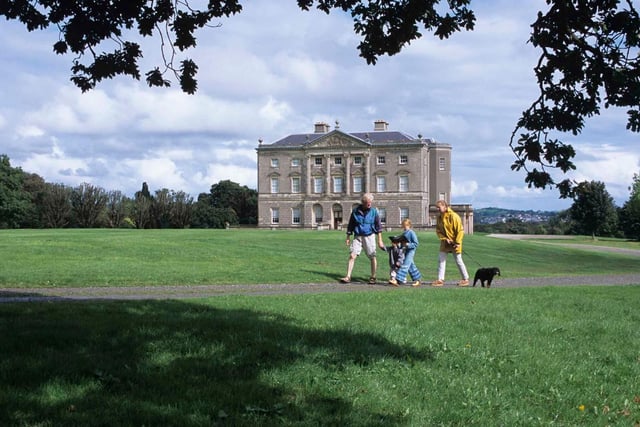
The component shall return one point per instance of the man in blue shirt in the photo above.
(364, 225)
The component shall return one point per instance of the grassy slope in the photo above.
(38, 258)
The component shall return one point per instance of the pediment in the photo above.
(338, 139)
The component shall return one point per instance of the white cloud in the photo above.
(274, 70)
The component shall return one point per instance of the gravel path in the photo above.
(205, 291)
(180, 292)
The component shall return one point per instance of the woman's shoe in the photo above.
(437, 283)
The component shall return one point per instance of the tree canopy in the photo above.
(589, 54)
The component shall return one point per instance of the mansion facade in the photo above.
(313, 180)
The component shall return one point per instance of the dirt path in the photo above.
(206, 291)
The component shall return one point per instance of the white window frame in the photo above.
(275, 163)
(442, 164)
(295, 162)
(337, 161)
(381, 160)
(358, 182)
(275, 185)
(275, 215)
(382, 212)
(357, 160)
(381, 183)
(295, 216)
(403, 183)
(295, 184)
(318, 185)
(338, 184)
(404, 214)
(317, 161)
(403, 159)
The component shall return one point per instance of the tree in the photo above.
(15, 202)
(85, 25)
(116, 208)
(590, 54)
(181, 209)
(242, 200)
(593, 210)
(56, 206)
(88, 203)
(589, 59)
(630, 211)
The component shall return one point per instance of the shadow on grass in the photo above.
(177, 363)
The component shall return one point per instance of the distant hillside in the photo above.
(494, 215)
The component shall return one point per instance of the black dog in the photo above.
(486, 275)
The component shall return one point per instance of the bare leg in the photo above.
(374, 266)
(350, 263)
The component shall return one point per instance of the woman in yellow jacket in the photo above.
(450, 232)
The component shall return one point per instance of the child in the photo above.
(396, 257)
(408, 267)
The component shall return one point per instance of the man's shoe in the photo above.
(416, 283)
(438, 283)
(393, 282)
(464, 282)
(372, 280)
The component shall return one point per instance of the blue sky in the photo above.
(274, 70)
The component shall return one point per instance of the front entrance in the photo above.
(337, 217)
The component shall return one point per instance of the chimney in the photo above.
(380, 125)
(321, 127)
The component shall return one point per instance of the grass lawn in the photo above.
(566, 356)
(513, 357)
(102, 257)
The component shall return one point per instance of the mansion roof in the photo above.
(379, 136)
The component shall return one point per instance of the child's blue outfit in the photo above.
(408, 266)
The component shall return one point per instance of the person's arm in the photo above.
(350, 228)
(377, 228)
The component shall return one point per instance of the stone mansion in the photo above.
(313, 180)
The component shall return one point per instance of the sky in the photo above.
(275, 70)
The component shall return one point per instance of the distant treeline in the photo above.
(28, 201)
(593, 213)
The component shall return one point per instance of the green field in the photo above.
(101, 257)
(561, 356)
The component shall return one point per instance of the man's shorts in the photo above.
(366, 242)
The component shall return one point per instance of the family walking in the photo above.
(364, 232)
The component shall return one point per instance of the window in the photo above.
(275, 186)
(404, 214)
(357, 160)
(357, 184)
(275, 215)
(381, 160)
(295, 184)
(337, 161)
(403, 159)
(317, 185)
(441, 163)
(442, 196)
(295, 162)
(381, 184)
(403, 183)
(317, 212)
(317, 161)
(295, 215)
(337, 184)
(275, 163)
(382, 212)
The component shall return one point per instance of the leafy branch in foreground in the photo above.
(589, 58)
